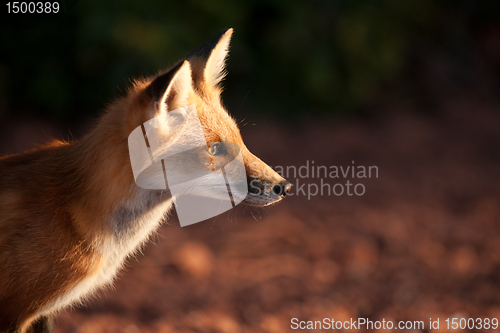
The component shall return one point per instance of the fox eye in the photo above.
(215, 149)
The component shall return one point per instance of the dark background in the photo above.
(409, 86)
(288, 57)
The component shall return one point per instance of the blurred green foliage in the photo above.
(287, 57)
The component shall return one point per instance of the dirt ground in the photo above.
(422, 242)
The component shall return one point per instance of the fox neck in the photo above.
(114, 207)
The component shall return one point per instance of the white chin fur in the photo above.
(261, 200)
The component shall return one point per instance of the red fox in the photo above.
(71, 213)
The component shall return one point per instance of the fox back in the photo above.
(71, 213)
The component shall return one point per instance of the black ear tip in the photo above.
(157, 88)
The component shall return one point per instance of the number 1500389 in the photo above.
(471, 323)
(32, 7)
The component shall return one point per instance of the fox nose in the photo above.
(282, 188)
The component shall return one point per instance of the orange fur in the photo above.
(70, 213)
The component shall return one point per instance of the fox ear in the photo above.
(171, 90)
(209, 60)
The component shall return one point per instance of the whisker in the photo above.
(244, 99)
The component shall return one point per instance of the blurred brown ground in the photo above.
(423, 242)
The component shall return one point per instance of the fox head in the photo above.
(195, 81)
